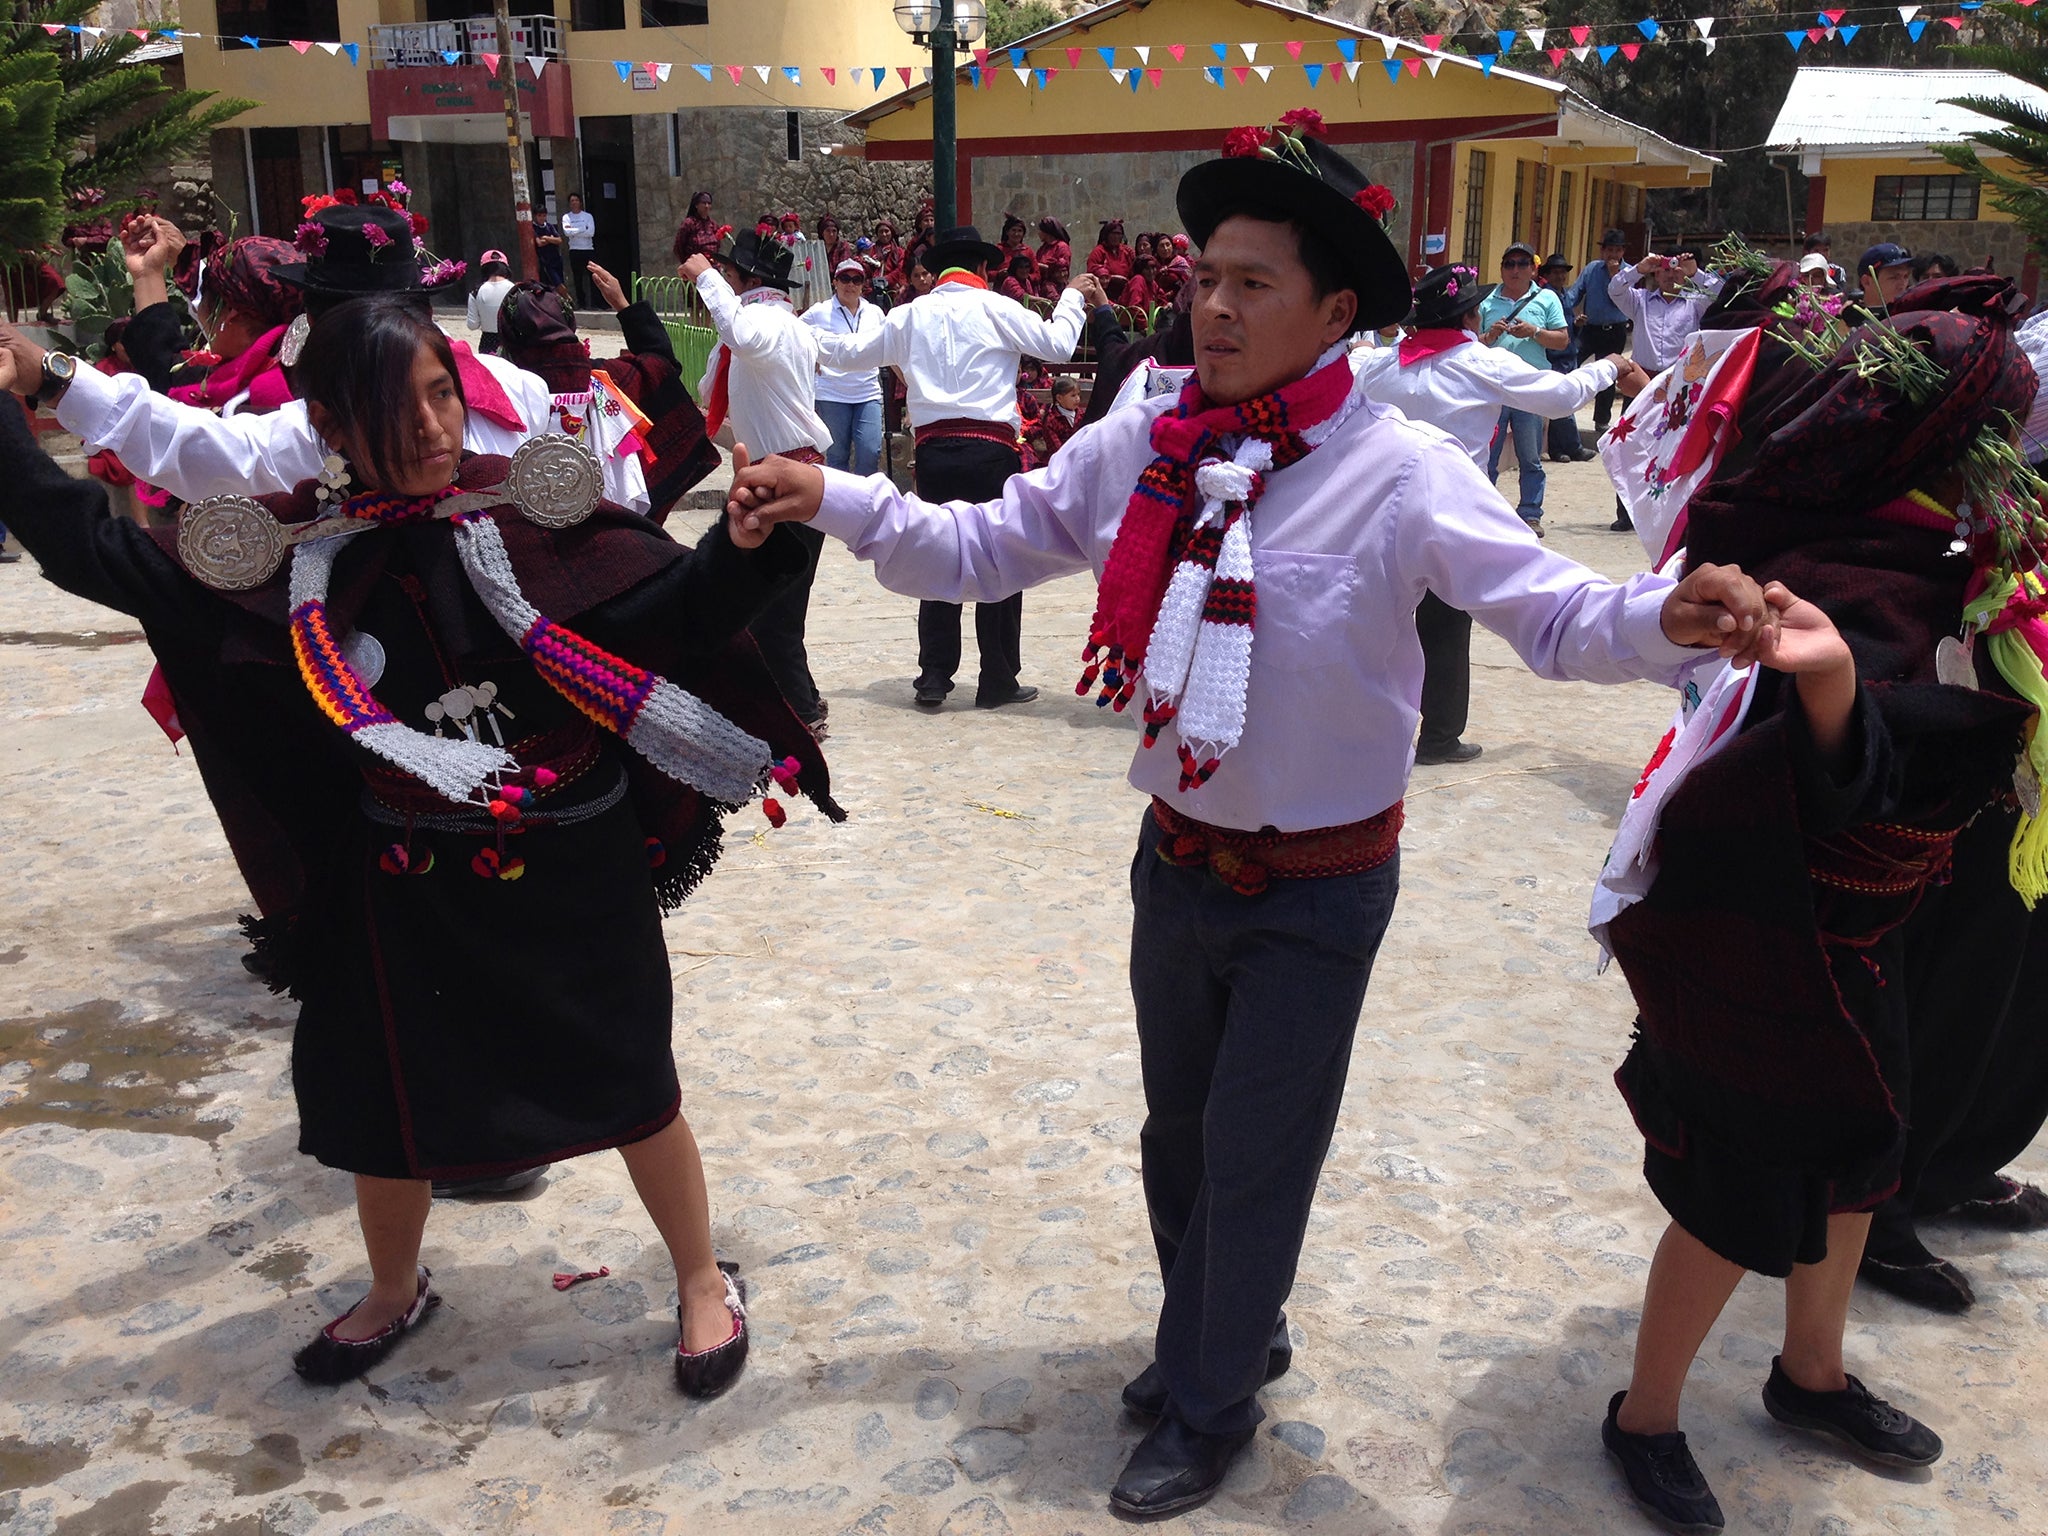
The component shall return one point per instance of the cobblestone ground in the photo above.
(907, 1048)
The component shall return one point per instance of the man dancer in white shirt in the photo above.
(1444, 375)
(849, 400)
(759, 377)
(1262, 541)
(958, 349)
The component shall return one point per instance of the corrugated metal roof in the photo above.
(1831, 107)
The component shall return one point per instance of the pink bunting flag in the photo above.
(301, 47)
(1432, 40)
(1557, 58)
(1954, 21)
(1178, 50)
(1241, 72)
(734, 71)
(1294, 52)
(831, 75)
(1580, 34)
(1816, 34)
(904, 71)
(1414, 67)
(491, 62)
(653, 70)
(54, 27)
(1155, 78)
(140, 34)
(981, 58)
(1834, 17)
(1630, 50)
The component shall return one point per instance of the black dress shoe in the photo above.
(1662, 1475)
(1915, 1275)
(328, 1361)
(1174, 1468)
(1584, 454)
(709, 1372)
(2012, 1207)
(929, 695)
(1456, 752)
(1868, 1425)
(998, 700)
(497, 1184)
(1145, 1394)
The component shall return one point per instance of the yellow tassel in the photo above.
(2028, 862)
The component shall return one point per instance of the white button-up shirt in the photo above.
(959, 347)
(1344, 544)
(193, 453)
(1662, 324)
(1463, 389)
(846, 386)
(774, 367)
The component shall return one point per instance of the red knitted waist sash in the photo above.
(804, 455)
(961, 426)
(1247, 861)
(563, 755)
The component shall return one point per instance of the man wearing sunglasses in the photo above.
(1525, 319)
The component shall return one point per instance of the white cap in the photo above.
(850, 267)
(1813, 261)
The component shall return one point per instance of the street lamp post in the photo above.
(944, 25)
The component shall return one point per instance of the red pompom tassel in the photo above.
(772, 809)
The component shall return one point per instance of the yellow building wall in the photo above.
(1852, 184)
(1584, 221)
(293, 89)
(1088, 101)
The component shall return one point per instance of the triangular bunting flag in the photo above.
(491, 62)
(1222, 53)
(1795, 39)
(1073, 58)
(1241, 72)
(1389, 44)
(1915, 28)
(624, 68)
(1648, 27)
(1351, 69)
(1435, 63)
(1557, 57)
(1144, 54)
(1157, 77)
(299, 47)
(354, 52)
(1314, 73)
(1119, 75)
(1178, 50)
(252, 42)
(1432, 40)
(1535, 36)
(1486, 63)
(1413, 66)
(1582, 51)
(1507, 39)
(790, 72)
(831, 75)
(1816, 34)
(55, 27)
(761, 72)
(1016, 58)
(1908, 12)
(1848, 34)
(1954, 21)
(1630, 50)
(1107, 55)
(731, 69)
(1834, 17)
(1705, 25)
(1394, 70)
(331, 48)
(1581, 34)
(1263, 71)
(973, 75)
(903, 73)
(1135, 76)
(451, 55)
(96, 33)
(1250, 52)
(981, 57)
(1607, 52)
(1040, 76)
(704, 72)
(1969, 5)
(1023, 76)
(1348, 48)
(141, 34)
(1293, 51)
(1213, 73)
(663, 71)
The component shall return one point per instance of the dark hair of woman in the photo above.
(357, 367)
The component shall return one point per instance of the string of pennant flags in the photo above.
(1219, 63)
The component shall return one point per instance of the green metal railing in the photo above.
(681, 312)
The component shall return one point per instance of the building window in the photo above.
(276, 21)
(1515, 213)
(1564, 212)
(1539, 177)
(1475, 209)
(1924, 197)
(597, 15)
(793, 131)
(675, 13)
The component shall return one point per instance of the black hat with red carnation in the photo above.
(1288, 169)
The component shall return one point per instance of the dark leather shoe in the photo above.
(2012, 1207)
(998, 700)
(328, 1361)
(1915, 1275)
(1868, 1425)
(928, 695)
(709, 1372)
(1583, 455)
(1662, 1475)
(1456, 752)
(1145, 1393)
(499, 1184)
(1174, 1468)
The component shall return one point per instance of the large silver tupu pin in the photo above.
(233, 543)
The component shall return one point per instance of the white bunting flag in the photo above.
(1144, 54)
(1705, 24)
(927, 73)
(1023, 76)
(539, 63)
(1388, 44)
(333, 49)
(1263, 71)
(662, 72)
(1119, 75)
(1250, 52)
(1908, 12)
(1535, 36)
(1351, 70)
(1712, 43)
(95, 33)
(1581, 51)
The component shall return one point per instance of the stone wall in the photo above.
(1083, 190)
(740, 155)
(1969, 241)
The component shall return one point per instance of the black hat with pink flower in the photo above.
(1287, 170)
(1447, 295)
(356, 248)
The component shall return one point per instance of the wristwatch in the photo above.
(59, 369)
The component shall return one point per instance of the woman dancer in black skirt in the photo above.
(462, 712)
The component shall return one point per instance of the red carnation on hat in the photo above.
(1243, 143)
(314, 204)
(419, 223)
(1307, 119)
(346, 195)
(1375, 200)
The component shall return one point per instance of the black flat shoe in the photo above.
(709, 1372)
(497, 1184)
(998, 700)
(1456, 752)
(1174, 1469)
(329, 1361)
(928, 695)
(1921, 1278)
(1621, 525)
(2016, 1207)
(1868, 1425)
(1662, 1475)
(1145, 1394)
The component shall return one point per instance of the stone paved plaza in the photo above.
(906, 1046)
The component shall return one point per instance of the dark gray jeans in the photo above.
(1246, 1008)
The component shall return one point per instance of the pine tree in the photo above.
(31, 174)
(2018, 47)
